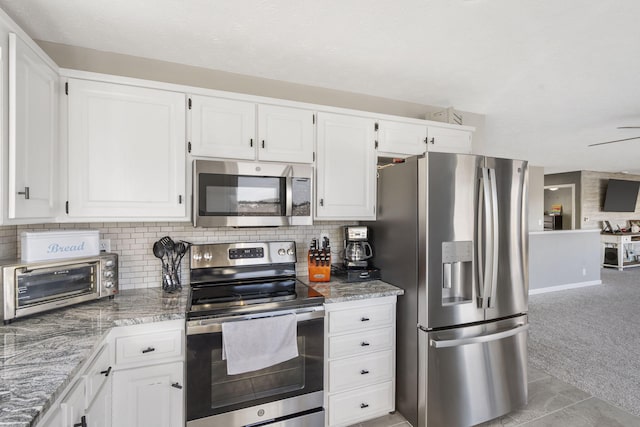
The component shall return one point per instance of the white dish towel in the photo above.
(250, 345)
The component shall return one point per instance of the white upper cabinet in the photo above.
(222, 127)
(449, 140)
(33, 133)
(345, 168)
(404, 139)
(285, 134)
(126, 153)
(232, 129)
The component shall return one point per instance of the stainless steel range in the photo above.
(237, 282)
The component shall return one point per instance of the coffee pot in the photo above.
(358, 251)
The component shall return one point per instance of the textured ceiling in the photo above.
(551, 76)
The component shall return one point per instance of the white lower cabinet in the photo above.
(134, 379)
(149, 396)
(360, 360)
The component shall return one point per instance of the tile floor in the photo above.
(552, 403)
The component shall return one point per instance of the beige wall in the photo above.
(8, 245)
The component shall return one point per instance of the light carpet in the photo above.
(590, 337)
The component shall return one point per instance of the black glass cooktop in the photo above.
(237, 298)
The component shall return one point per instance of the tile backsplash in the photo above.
(133, 242)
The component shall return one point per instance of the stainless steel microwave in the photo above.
(251, 194)
(33, 287)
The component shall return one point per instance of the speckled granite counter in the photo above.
(338, 290)
(39, 355)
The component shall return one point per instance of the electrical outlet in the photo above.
(105, 245)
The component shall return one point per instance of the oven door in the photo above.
(291, 390)
(251, 194)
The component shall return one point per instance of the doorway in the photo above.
(563, 195)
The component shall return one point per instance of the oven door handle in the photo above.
(208, 326)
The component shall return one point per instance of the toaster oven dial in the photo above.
(108, 274)
(109, 263)
(108, 284)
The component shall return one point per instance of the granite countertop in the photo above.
(339, 290)
(40, 354)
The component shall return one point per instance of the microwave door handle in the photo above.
(289, 196)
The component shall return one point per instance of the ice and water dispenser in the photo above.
(457, 273)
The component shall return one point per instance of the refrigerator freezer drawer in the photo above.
(474, 374)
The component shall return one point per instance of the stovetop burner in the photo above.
(240, 278)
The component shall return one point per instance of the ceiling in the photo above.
(551, 76)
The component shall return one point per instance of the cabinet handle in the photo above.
(107, 372)
(82, 423)
(365, 344)
(251, 142)
(364, 405)
(433, 140)
(148, 350)
(364, 372)
(176, 385)
(365, 319)
(25, 193)
(321, 202)
(263, 143)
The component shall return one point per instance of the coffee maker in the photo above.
(357, 249)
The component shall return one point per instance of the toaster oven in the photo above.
(33, 287)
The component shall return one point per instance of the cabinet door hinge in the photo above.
(189, 103)
(66, 207)
(375, 127)
(66, 88)
(189, 146)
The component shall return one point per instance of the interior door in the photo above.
(509, 294)
(451, 222)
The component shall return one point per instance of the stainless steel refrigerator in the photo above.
(451, 231)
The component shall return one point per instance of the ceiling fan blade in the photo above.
(611, 142)
(628, 127)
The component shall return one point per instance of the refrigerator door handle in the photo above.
(521, 327)
(485, 275)
(495, 238)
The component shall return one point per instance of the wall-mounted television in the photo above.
(621, 196)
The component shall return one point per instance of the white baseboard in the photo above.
(564, 287)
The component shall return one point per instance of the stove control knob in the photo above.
(281, 252)
(290, 251)
(207, 256)
(197, 257)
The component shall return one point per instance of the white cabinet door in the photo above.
(285, 134)
(346, 168)
(447, 140)
(98, 414)
(72, 405)
(33, 132)
(126, 152)
(222, 128)
(149, 396)
(401, 138)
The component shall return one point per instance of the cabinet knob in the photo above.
(25, 193)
